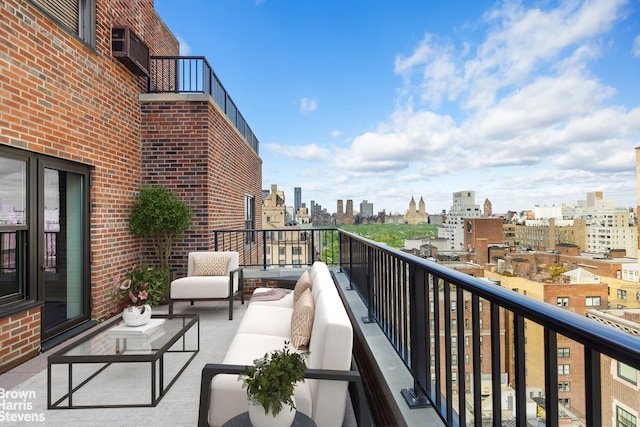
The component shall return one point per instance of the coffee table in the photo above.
(106, 368)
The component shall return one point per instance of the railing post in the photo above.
(369, 265)
(413, 396)
(350, 287)
(264, 249)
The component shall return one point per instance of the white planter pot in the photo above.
(260, 419)
(136, 315)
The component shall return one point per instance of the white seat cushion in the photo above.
(200, 287)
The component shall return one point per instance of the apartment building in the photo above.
(464, 206)
(620, 382)
(570, 295)
(83, 125)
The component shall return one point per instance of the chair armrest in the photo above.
(356, 388)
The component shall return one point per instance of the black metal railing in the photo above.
(464, 340)
(280, 248)
(193, 74)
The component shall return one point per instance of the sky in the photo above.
(527, 103)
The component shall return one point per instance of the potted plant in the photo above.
(160, 216)
(270, 383)
(136, 291)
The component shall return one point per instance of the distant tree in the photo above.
(556, 272)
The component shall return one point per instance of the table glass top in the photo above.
(114, 338)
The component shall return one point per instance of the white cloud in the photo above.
(635, 49)
(529, 105)
(308, 105)
(336, 133)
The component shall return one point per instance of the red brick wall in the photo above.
(19, 338)
(67, 100)
(191, 147)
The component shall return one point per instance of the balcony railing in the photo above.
(455, 332)
(280, 248)
(193, 74)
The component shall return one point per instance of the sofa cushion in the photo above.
(266, 320)
(207, 265)
(303, 283)
(302, 320)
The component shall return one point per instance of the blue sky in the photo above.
(525, 102)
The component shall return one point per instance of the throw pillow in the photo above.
(303, 283)
(302, 320)
(207, 265)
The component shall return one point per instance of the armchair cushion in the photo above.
(205, 264)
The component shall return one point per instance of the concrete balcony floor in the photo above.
(179, 407)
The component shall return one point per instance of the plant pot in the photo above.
(260, 419)
(134, 315)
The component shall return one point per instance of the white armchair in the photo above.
(211, 276)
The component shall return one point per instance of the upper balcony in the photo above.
(193, 74)
(468, 345)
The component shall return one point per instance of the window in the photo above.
(77, 16)
(564, 369)
(564, 386)
(453, 306)
(625, 418)
(622, 294)
(564, 352)
(565, 402)
(13, 228)
(563, 301)
(282, 250)
(249, 219)
(593, 302)
(628, 373)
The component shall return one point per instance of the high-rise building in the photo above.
(464, 206)
(297, 199)
(366, 209)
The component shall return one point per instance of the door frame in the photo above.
(37, 239)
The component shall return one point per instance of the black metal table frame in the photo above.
(157, 357)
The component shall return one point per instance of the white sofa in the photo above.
(204, 283)
(266, 326)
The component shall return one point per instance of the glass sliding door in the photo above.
(62, 220)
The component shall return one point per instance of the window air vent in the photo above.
(130, 50)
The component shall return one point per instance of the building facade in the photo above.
(80, 133)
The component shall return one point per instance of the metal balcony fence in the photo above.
(193, 74)
(463, 340)
(280, 248)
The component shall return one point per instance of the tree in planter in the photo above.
(160, 216)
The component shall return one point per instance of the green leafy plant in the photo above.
(159, 215)
(271, 379)
(139, 286)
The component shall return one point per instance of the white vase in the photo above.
(260, 419)
(134, 315)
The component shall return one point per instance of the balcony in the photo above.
(454, 332)
(423, 333)
(193, 74)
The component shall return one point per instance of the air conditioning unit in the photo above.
(130, 50)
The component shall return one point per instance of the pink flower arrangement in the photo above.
(142, 285)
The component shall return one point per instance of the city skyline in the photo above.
(529, 102)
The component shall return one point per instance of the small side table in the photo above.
(242, 420)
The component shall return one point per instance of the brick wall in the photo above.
(19, 338)
(191, 147)
(64, 99)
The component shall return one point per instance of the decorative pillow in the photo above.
(207, 265)
(302, 320)
(303, 283)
